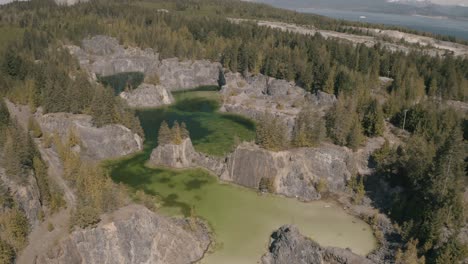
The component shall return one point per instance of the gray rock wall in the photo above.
(257, 95)
(135, 235)
(26, 195)
(288, 246)
(110, 141)
(293, 173)
(147, 96)
(102, 55)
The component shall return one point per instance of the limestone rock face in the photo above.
(136, 235)
(103, 55)
(293, 172)
(147, 95)
(26, 194)
(183, 75)
(256, 95)
(110, 141)
(287, 246)
(185, 156)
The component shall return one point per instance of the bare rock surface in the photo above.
(147, 95)
(256, 95)
(104, 56)
(287, 246)
(133, 234)
(182, 75)
(25, 192)
(293, 173)
(184, 156)
(110, 141)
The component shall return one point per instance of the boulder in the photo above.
(25, 193)
(147, 95)
(287, 246)
(133, 234)
(110, 141)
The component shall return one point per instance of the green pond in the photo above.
(241, 218)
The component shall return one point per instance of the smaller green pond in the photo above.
(242, 219)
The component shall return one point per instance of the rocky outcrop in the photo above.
(147, 95)
(182, 75)
(133, 234)
(184, 156)
(110, 141)
(293, 173)
(254, 96)
(25, 193)
(287, 246)
(104, 56)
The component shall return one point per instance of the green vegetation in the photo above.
(123, 81)
(211, 132)
(430, 169)
(173, 135)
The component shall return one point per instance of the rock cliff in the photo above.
(110, 141)
(147, 95)
(293, 173)
(25, 194)
(287, 246)
(104, 56)
(255, 95)
(182, 75)
(185, 156)
(133, 234)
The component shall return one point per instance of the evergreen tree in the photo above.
(373, 121)
(164, 134)
(176, 133)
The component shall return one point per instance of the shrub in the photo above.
(34, 128)
(85, 216)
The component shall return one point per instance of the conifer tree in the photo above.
(176, 133)
(164, 134)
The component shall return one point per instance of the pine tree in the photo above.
(373, 121)
(355, 136)
(164, 134)
(176, 133)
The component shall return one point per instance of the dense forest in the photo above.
(35, 69)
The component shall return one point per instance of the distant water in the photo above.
(442, 26)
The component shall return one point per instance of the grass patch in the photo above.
(9, 34)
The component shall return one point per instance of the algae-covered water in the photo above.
(241, 218)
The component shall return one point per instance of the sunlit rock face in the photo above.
(134, 234)
(287, 245)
